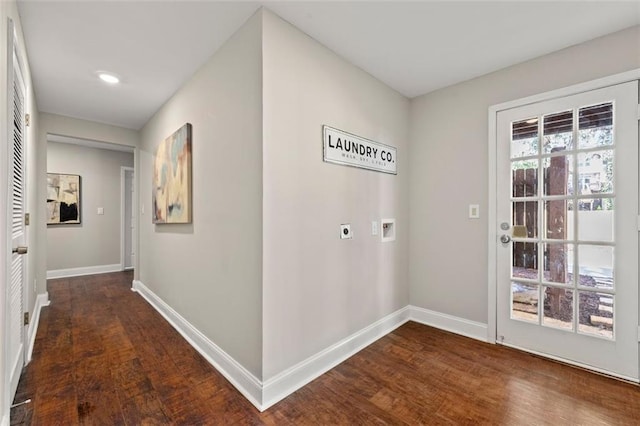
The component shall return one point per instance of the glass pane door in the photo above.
(568, 274)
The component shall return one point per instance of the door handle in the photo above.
(504, 238)
(20, 250)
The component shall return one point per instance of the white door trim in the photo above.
(123, 174)
(492, 224)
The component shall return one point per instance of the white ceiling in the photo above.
(415, 47)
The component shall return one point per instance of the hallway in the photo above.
(104, 356)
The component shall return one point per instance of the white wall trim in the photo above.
(292, 379)
(85, 270)
(122, 197)
(42, 300)
(492, 224)
(123, 175)
(462, 326)
(249, 385)
(492, 275)
(265, 394)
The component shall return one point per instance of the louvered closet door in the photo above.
(17, 229)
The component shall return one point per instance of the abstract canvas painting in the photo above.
(63, 199)
(172, 178)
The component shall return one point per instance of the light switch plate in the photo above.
(100, 210)
(474, 211)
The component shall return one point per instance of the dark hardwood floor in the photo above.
(104, 356)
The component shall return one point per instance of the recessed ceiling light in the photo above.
(108, 77)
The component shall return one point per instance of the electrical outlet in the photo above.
(345, 231)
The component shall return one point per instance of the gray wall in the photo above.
(449, 167)
(319, 289)
(96, 241)
(210, 272)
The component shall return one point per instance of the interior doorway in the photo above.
(96, 243)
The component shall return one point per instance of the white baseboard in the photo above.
(292, 379)
(464, 327)
(86, 270)
(42, 300)
(249, 385)
(265, 394)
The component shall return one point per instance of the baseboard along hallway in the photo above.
(103, 355)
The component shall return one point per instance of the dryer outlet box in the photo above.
(388, 227)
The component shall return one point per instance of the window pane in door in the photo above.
(595, 219)
(558, 175)
(525, 260)
(596, 266)
(558, 132)
(595, 314)
(525, 219)
(558, 220)
(524, 175)
(524, 138)
(595, 126)
(558, 263)
(558, 308)
(524, 301)
(595, 172)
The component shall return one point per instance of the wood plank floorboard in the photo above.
(103, 356)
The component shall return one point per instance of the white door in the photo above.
(567, 210)
(16, 227)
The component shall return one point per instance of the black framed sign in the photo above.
(351, 150)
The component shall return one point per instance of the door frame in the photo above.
(123, 173)
(492, 222)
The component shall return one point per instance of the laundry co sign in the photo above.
(351, 150)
